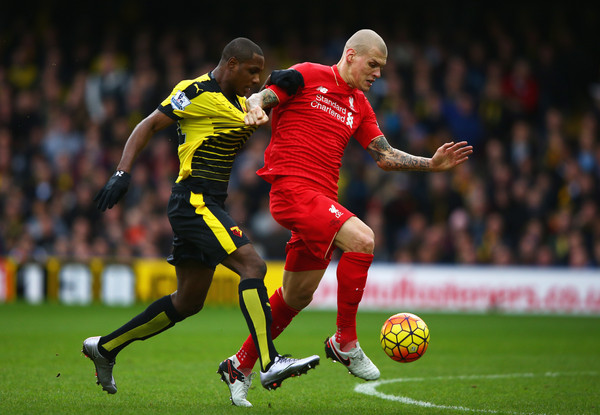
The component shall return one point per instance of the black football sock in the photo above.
(158, 317)
(255, 306)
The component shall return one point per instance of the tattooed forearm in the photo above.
(269, 99)
(264, 99)
(378, 148)
(389, 158)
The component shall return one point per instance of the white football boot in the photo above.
(284, 367)
(104, 366)
(355, 360)
(236, 381)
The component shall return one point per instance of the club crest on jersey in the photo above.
(351, 103)
(322, 90)
(179, 101)
(236, 231)
(335, 211)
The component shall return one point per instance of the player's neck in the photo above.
(344, 74)
(219, 75)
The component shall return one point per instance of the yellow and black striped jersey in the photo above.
(211, 131)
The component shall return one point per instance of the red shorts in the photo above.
(314, 218)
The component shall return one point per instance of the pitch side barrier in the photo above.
(514, 289)
(111, 282)
(389, 287)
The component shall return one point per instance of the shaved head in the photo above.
(364, 40)
(364, 55)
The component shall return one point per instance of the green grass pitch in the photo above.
(489, 364)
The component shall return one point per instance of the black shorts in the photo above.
(202, 229)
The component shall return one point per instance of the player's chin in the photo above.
(245, 92)
(367, 86)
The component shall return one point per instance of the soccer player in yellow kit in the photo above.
(209, 112)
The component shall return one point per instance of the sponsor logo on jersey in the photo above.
(179, 101)
(350, 120)
(333, 108)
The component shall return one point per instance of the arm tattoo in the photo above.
(269, 99)
(264, 99)
(389, 158)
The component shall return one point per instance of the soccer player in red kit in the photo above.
(317, 109)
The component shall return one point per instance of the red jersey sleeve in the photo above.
(368, 128)
(282, 96)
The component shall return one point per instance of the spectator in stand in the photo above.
(520, 89)
(46, 66)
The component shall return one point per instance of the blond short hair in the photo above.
(364, 40)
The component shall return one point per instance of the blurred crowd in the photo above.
(522, 89)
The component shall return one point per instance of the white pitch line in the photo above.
(371, 389)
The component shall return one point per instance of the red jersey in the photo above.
(311, 128)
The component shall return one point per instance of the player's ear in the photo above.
(232, 63)
(350, 54)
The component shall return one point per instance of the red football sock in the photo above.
(282, 316)
(352, 277)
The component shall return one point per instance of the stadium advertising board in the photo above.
(389, 287)
(472, 289)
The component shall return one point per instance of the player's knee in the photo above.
(299, 299)
(262, 269)
(256, 268)
(364, 242)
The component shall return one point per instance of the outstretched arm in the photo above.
(140, 136)
(118, 184)
(447, 156)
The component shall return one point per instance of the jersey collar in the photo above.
(338, 78)
(235, 102)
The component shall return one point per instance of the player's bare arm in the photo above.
(140, 136)
(447, 156)
(256, 105)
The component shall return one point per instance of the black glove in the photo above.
(113, 190)
(288, 79)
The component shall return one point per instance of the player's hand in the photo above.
(113, 190)
(450, 155)
(256, 116)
